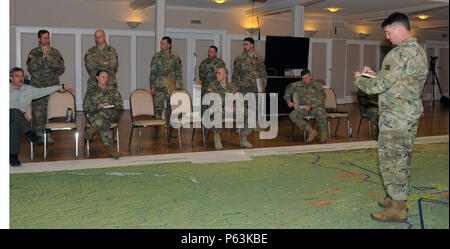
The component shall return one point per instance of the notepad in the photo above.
(108, 106)
(367, 75)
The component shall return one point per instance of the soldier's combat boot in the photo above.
(385, 203)
(89, 133)
(323, 135)
(395, 213)
(245, 143)
(113, 152)
(156, 132)
(312, 133)
(217, 142)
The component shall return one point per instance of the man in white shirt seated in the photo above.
(20, 97)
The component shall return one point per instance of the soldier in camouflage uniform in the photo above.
(45, 65)
(311, 101)
(222, 86)
(399, 85)
(99, 117)
(101, 57)
(165, 67)
(369, 107)
(248, 67)
(207, 69)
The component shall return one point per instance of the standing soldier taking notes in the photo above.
(208, 69)
(399, 84)
(45, 65)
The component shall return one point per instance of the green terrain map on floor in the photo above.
(312, 190)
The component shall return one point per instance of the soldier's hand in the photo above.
(291, 105)
(45, 50)
(307, 108)
(68, 88)
(27, 117)
(153, 91)
(368, 70)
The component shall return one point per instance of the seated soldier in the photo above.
(102, 106)
(311, 101)
(369, 107)
(222, 86)
(20, 97)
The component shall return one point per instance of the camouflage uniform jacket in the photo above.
(101, 59)
(99, 96)
(207, 71)
(165, 67)
(367, 99)
(216, 87)
(399, 83)
(311, 94)
(246, 69)
(45, 71)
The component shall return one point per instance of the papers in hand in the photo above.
(367, 75)
(108, 106)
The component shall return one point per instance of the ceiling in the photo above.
(355, 11)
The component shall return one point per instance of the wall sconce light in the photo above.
(423, 17)
(133, 25)
(333, 9)
(310, 33)
(220, 1)
(251, 31)
(363, 36)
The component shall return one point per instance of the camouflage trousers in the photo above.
(102, 122)
(394, 155)
(245, 131)
(298, 114)
(161, 101)
(372, 112)
(39, 113)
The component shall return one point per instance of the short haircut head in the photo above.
(224, 69)
(215, 48)
(15, 69)
(168, 39)
(397, 18)
(101, 71)
(305, 72)
(249, 39)
(42, 31)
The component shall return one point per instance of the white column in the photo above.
(160, 31)
(298, 13)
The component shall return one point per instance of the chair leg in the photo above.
(329, 129)
(337, 126)
(117, 136)
(193, 133)
(359, 126)
(349, 132)
(45, 145)
(140, 139)
(31, 150)
(131, 136)
(179, 138)
(368, 125)
(167, 139)
(87, 147)
(203, 134)
(304, 136)
(76, 144)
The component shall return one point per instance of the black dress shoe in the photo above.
(34, 137)
(13, 160)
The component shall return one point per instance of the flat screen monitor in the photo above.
(284, 52)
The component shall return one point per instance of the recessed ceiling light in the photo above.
(423, 17)
(333, 9)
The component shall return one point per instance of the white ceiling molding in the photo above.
(381, 15)
(287, 5)
(141, 4)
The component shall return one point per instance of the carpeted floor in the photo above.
(309, 190)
